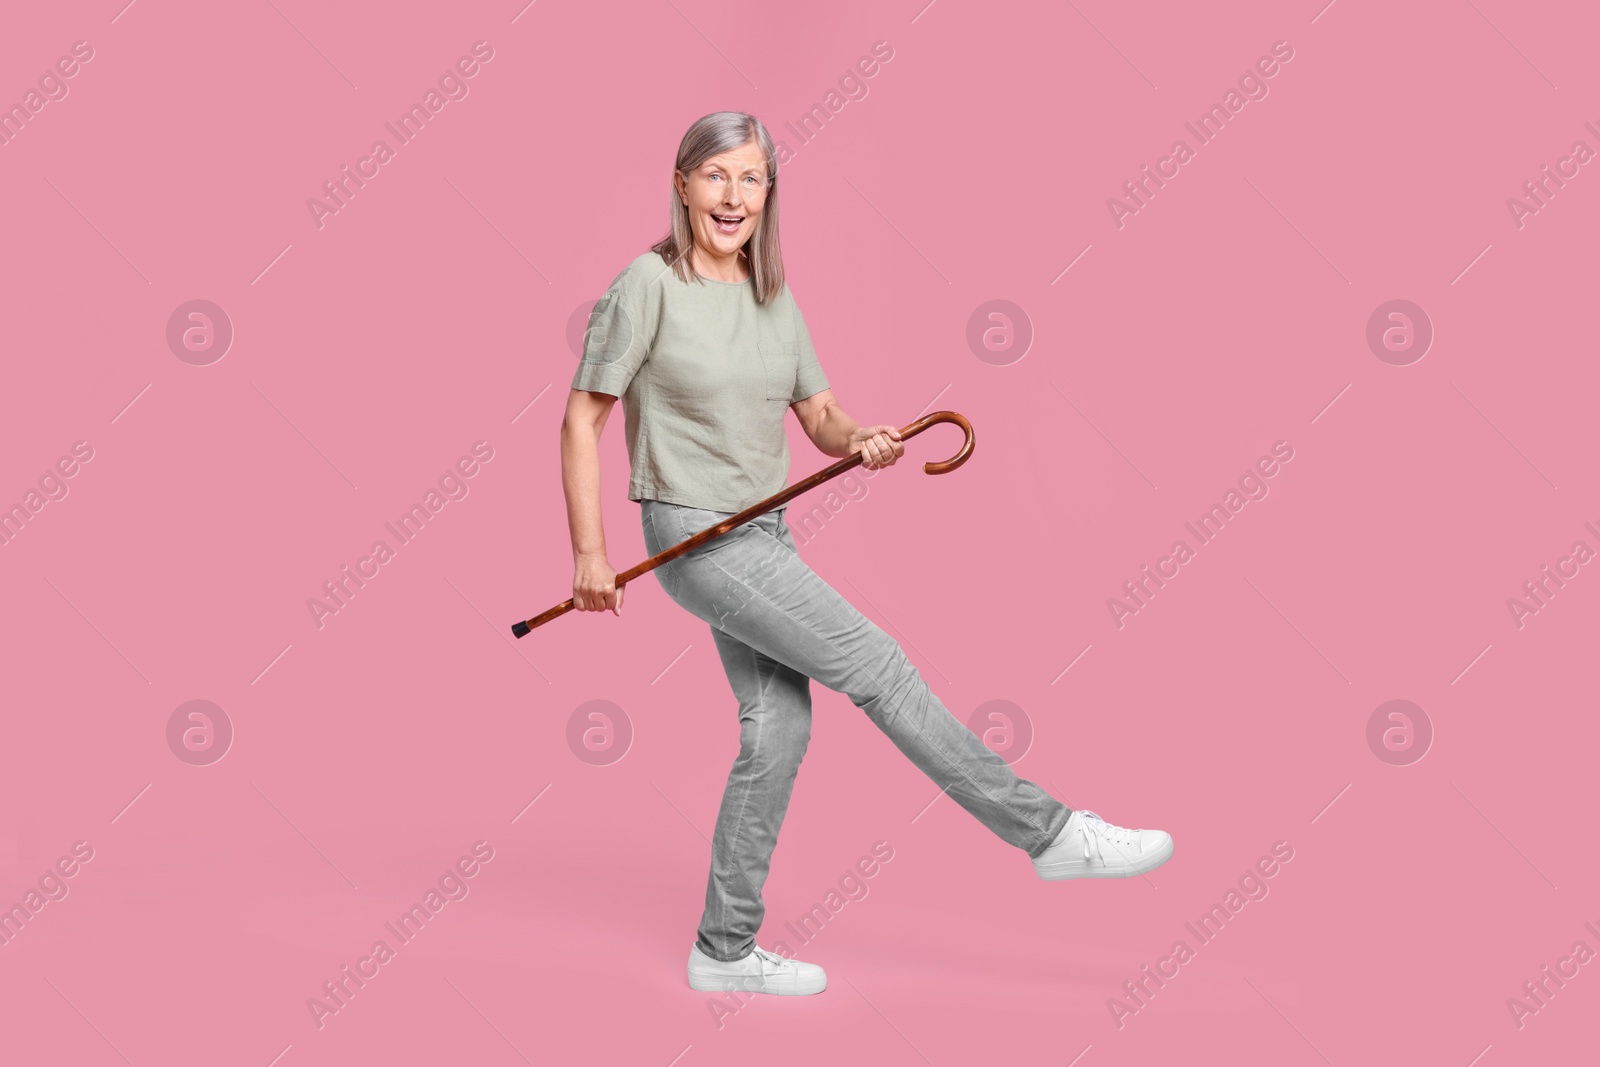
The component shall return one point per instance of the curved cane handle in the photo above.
(947, 465)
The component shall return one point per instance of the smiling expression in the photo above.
(724, 196)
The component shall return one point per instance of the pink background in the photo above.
(432, 312)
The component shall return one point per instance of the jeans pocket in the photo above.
(654, 541)
(691, 521)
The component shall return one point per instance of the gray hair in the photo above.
(711, 135)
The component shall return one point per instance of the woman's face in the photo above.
(730, 186)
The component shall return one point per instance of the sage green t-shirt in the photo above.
(705, 375)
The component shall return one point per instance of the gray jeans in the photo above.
(777, 625)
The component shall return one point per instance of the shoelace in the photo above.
(1094, 827)
(770, 957)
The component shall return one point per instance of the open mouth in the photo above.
(728, 223)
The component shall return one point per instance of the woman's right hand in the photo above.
(594, 586)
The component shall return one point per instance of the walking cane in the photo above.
(521, 629)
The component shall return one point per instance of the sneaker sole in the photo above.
(731, 983)
(1057, 872)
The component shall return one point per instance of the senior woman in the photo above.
(701, 339)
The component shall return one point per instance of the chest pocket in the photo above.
(781, 361)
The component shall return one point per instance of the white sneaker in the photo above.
(759, 972)
(1090, 847)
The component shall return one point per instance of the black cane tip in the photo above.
(519, 629)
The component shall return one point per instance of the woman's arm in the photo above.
(594, 580)
(837, 434)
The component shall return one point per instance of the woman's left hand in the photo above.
(879, 446)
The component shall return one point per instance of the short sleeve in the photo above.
(621, 331)
(809, 378)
